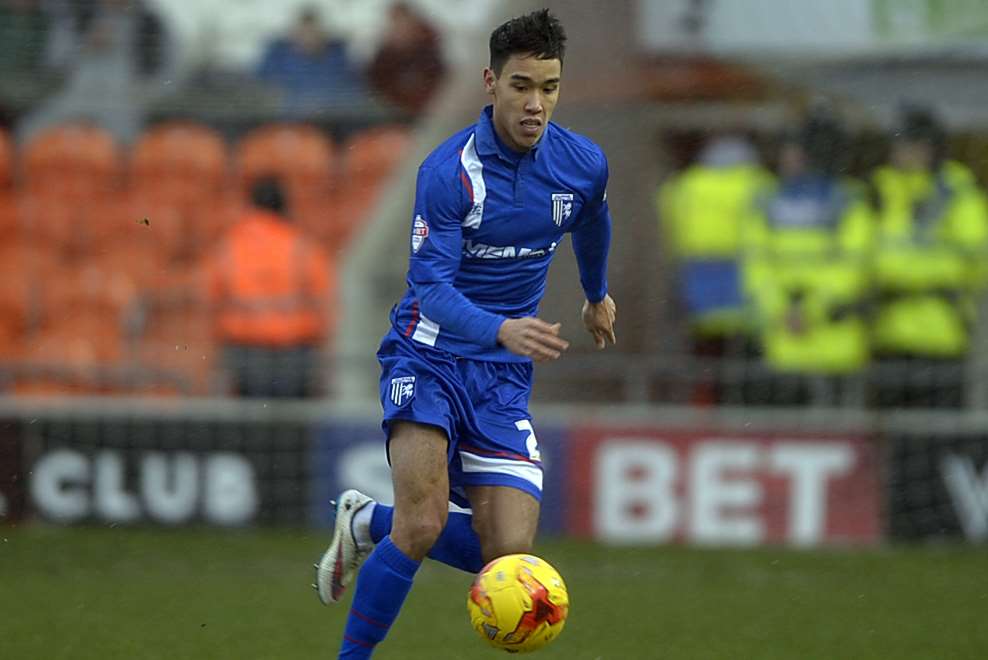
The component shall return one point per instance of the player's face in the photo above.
(524, 96)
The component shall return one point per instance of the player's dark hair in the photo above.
(266, 193)
(539, 34)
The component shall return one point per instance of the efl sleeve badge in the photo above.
(420, 232)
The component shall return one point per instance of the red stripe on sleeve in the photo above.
(467, 184)
(415, 318)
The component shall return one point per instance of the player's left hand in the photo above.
(598, 319)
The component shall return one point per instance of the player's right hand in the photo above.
(532, 337)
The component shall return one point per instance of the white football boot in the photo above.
(340, 563)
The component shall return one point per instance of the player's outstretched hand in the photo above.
(532, 338)
(598, 319)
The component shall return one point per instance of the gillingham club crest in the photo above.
(562, 207)
(420, 232)
(402, 390)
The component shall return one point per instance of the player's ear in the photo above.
(490, 79)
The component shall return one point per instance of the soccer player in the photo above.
(492, 204)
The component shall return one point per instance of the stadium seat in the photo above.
(15, 299)
(89, 340)
(321, 219)
(75, 160)
(9, 225)
(301, 155)
(70, 356)
(185, 162)
(49, 221)
(92, 296)
(372, 154)
(177, 348)
(79, 341)
(79, 289)
(209, 221)
(139, 261)
(8, 213)
(68, 225)
(370, 158)
(152, 223)
(6, 161)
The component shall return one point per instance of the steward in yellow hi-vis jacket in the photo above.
(806, 251)
(931, 246)
(701, 211)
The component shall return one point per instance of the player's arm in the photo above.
(440, 207)
(591, 243)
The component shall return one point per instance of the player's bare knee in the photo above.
(419, 521)
(417, 532)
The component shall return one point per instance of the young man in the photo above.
(492, 204)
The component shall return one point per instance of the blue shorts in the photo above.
(482, 407)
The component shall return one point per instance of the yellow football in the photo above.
(518, 603)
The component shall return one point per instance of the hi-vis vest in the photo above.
(807, 251)
(929, 260)
(269, 285)
(702, 211)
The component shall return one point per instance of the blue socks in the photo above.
(386, 578)
(380, 523)
(458, 545)
(382, 585)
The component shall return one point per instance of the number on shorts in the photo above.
(530, 442)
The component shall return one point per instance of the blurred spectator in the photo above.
(23, 33)
(806, 247)
(408, 66)
(311, 68)
(269, 287)
(115, 57)
(702, 211)
(929, 262)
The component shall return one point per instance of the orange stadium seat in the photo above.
(319, 219)
(48, 221)
(372, 154)
(68, 356)
(301, 155)
(370, 158)
(87, 341)
(9, 224)
(6, 160)
(44, 357)
(8, 209)
(15, 299)
(153, 224)
(66, 225)
(210, 220)
(81, 331)
(75, 160)
(86, 288)
(178, 344)
(184, 162)
(137, 260)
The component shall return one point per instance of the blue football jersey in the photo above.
(485, 227)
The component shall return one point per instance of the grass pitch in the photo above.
(174, 594)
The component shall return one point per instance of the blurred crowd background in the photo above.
(212, 198)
